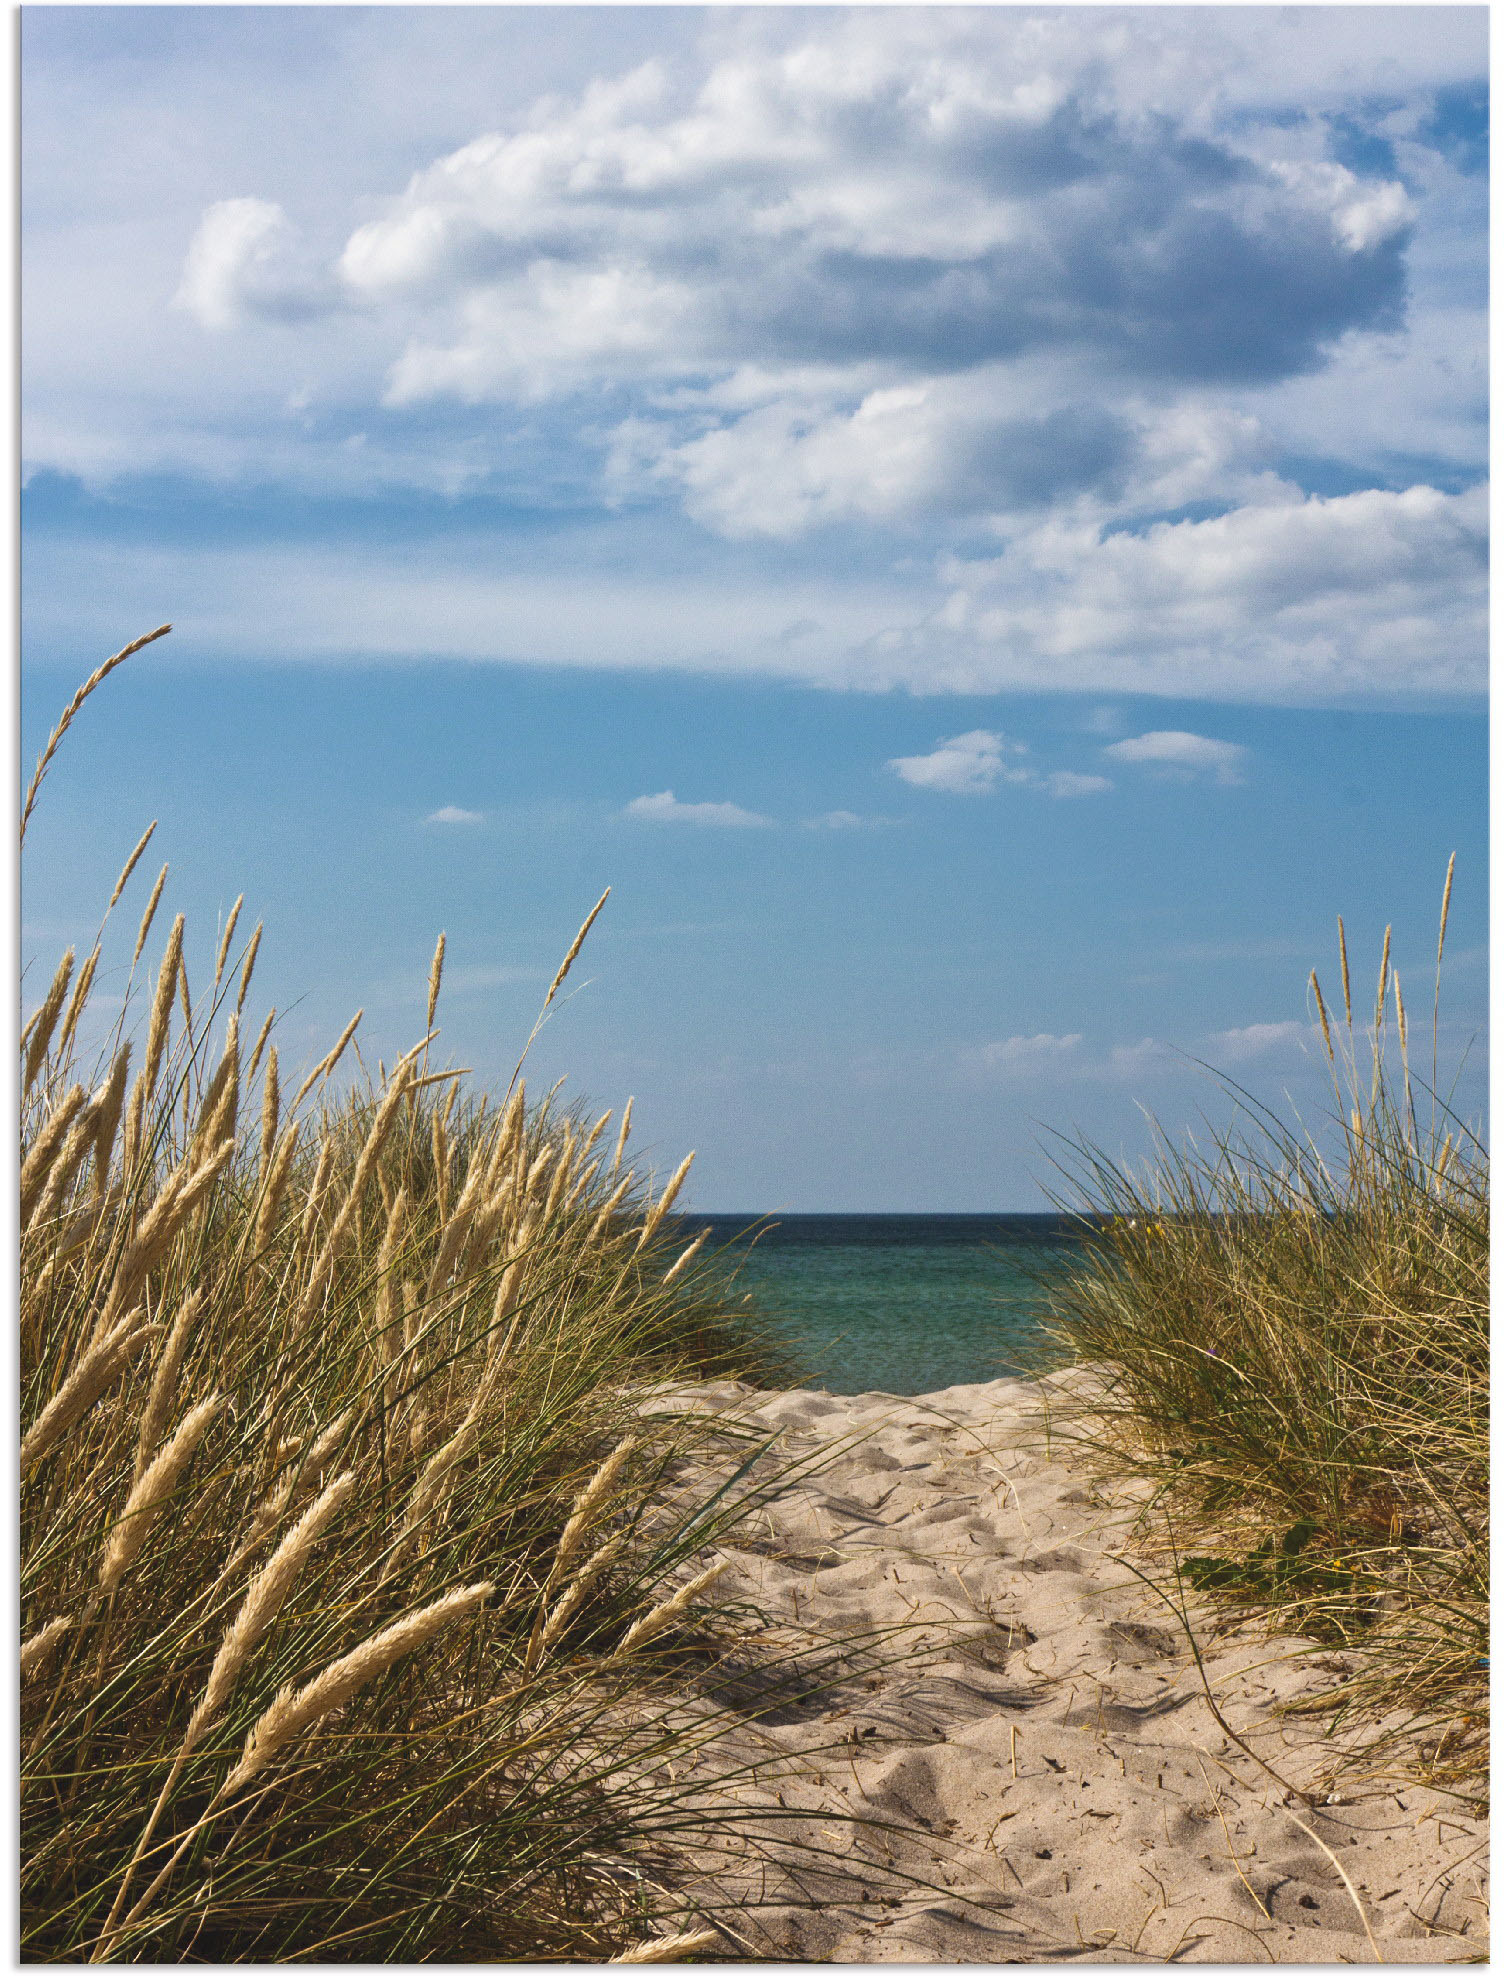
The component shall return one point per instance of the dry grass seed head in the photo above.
(149, 915)
(65, 1167)
(130, 865)
(224, 942)
(149, 1492)
(1347, 987)
(621, 1137)
(80, 998)
(270, 1102)
(38, 1032)
(688, 1256)
(46, 1147)
(579, 941)
(575, 1594)
(248, 967)
(264, 1598)
(670, 1948)
(180, 1195)
(219, 1107)
(100, 1365)
(164, 1382)
(294, 1713)
(1378, 1015)
(37, 1651)
(663, 1616)
(317, 1187)
(95, 678)
(273, 1188)
(161, 1008)
(608, 1207)
(185, 999)
(665, 1201)
(326, 1064)
(435, 979)
(1326, 1029)
(586, 1506)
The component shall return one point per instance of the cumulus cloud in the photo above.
(1174, 752)
(973, 764)
(920, 193)
(966, 765)
(246, 260)
(666, 808)
(452, 813)
(1022, 1054)
(1051, 332)
(1363, 592)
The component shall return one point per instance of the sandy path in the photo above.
(1050, 1771)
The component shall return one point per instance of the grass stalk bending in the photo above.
(342, 1537)
(1294, 1336)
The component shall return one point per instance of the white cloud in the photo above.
(1022, 1054)
(840, 820)
(1373, 592)
(1065, 782)
(965, 306)
(1175, 752)
(966, 765)
(1130, 1060)
(670, 222)
(666, 808)
(245, 261)
(452, 813)
(1258, 1039)
(973, 764)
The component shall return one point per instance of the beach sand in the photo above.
(1047, 1772)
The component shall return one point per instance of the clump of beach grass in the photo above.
(1293, 1338)
(343, 1557)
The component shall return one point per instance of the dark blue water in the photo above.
(899, 1303)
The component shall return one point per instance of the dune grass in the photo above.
(344, 1565)
(1295, 1341)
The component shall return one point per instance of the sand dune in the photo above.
(1048, 1772)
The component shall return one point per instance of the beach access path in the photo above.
(1009, 1755)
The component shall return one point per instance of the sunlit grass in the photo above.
(345, 1566)
(1294, 1335)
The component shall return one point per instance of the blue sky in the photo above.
(971, 522)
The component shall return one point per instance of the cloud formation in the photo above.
(452, 813)
(1021, 1055)
(1171, 751)
(1126, 351)
(1258, 1039)
(246, 260)
(966, 765)
(1065, 783)
(665, 807)
(917, 194)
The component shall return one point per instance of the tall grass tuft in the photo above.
(1293, 1333)
(327, 1408)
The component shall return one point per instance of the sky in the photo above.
(972, 522)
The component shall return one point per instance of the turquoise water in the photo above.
(899, 1303)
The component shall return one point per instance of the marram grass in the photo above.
(343, 1555)
(1294, 1339)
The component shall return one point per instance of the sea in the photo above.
(899, 1303)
